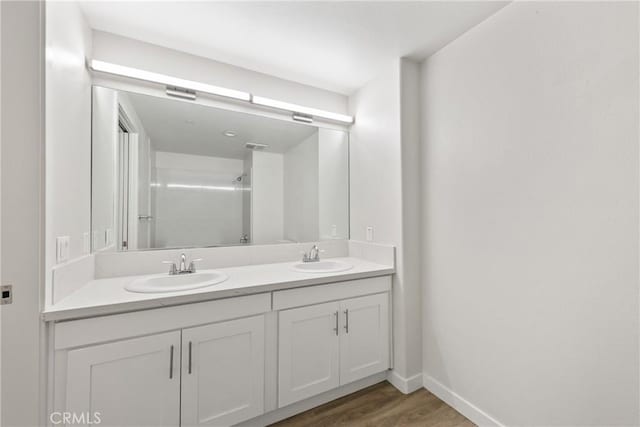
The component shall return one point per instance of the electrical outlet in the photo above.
(62, 248)
(369, 234)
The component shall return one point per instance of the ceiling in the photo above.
(185, 127)
(338, 46)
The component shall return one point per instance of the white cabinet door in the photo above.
(308, 352)
(133, 382)
(223, 372)
(364, 339)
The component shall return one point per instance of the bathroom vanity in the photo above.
(268, 342)
(240, 328)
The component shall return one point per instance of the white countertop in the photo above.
(108, 296)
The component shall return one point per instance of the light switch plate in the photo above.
(62, 248)
(369, 234)
(6, 294)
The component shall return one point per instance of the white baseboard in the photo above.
(405, 385)
(460, 404)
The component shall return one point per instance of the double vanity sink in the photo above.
(128, 292)
(160, 283)
(224, 344)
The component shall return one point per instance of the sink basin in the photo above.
(180, 282)
(322, 267)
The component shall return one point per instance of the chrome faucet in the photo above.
(183, 269)
(313, 255)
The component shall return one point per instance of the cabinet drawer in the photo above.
(335, 291)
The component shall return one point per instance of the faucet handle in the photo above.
(173, 269)
(192, 265)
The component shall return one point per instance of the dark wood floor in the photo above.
(381, 405)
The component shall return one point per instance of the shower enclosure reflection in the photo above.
(169, 173)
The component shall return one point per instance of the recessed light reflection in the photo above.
(230, 133)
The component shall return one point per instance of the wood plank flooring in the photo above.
(381, 405)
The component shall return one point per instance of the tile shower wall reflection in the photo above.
(192, 196)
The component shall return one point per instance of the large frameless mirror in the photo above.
(170, 174)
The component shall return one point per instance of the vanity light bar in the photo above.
(300, 110)
(174, 82)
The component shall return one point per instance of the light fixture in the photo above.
(300, 110)
(302, 118)
(181, 93)
(172, 82)
(188, 89)
(256, 146)
(230, 133)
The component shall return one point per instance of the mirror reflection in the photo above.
(170, 173)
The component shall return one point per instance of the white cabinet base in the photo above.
(260, 358)
(223, 372)
(134, 382)
(308, 352)
(364, 339)
(325, 345)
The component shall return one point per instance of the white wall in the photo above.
(301, 209)
(22, 210)
(104, 164)
(133, 53)
(267, 197)
(333, 184)
(68, 128)
(376, 200)
(0, 210)
(531, 215)
(210, 213)
(409, 253)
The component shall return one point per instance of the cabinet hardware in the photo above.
(171, 364)
(336, 328)
(346, 320)
(189, 357)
